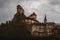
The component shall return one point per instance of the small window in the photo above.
(33, 21)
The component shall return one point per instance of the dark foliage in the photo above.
(16, 29)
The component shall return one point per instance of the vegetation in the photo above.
(16, 29)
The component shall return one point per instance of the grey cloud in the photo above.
(2, 2)
(8, 9)
(53, 16)
(49, 10)
(55, 2)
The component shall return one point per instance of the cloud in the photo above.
(7, 10)
(55, 2)
(2, 2)
(41, 7)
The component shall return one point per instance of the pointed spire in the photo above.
(45, 19)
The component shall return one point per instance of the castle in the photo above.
(32, 25)
(35, 27)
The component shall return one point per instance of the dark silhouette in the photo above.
(17, 28)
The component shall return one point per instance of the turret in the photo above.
(45, 20)
(33, 16)
(20, 9)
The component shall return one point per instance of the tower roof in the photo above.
(18, 6)
(33, 14)
(45, 17)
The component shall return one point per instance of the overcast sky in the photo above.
(41, 7)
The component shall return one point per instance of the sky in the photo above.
(41, 7)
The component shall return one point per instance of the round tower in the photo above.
(20, 9)
(33, 16)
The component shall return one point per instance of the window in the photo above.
(35, 33)
(50, 26)
(30, 21)
(33, 21)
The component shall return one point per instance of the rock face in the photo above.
(15, 27)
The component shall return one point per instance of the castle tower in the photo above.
(20, 9)
(33, 16)
(45, 19)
